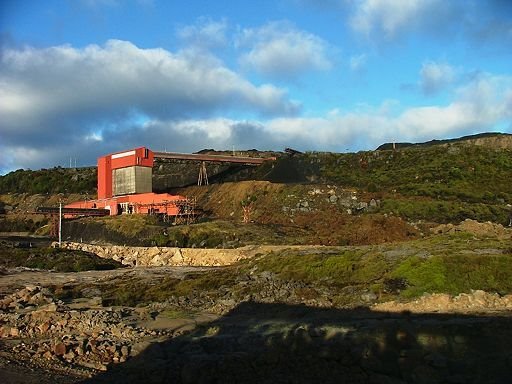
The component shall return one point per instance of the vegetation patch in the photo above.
(223, 234)
(448, 263)
(440, 211)
(55, 180)
(23, 224)
(455, 274)
(140, 230)
(454, 264)
(128, 225)
(56, 259)
(352, 266)
(139, 291)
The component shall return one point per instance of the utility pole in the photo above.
(60, 224)
(203, 175)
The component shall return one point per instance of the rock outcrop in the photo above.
(163, 256)
(476, 228)
(475, 301)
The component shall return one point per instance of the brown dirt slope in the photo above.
(310, 214)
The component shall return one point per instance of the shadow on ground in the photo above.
(278, 343)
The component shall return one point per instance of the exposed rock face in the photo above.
(490, 140)
(501, 142)
(443, 303)
(163, 256)
(487, 229)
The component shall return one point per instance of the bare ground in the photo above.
(203, 345)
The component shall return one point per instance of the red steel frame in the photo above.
(142, 157)
(171, 205)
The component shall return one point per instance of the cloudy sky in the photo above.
(82, 78)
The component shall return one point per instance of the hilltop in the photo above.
(289, 167)
(488, 139)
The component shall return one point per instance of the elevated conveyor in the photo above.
(212, 158)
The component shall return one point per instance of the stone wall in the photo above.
(162, 256)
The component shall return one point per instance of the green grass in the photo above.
(221, 234)
(139, 291)
(455, 274)
(444, 211)
(128, 225)
(352, 266)
(448, 263)
(176, 314)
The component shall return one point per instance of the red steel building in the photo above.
(125, 172)
(125, 186)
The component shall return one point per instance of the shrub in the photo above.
(60, 260)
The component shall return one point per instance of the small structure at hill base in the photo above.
(125, 185)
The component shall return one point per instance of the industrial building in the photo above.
(125, 187)
(125, 183)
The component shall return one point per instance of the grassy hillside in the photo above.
(462, 172)
(454, 171)
(55, 180)
(434, 183)
(438, 183)
(453, 263)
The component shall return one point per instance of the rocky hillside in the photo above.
(301, 198)
(490, 140)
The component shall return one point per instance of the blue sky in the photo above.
(82, 78)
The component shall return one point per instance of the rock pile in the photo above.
(475, 301)
(346, 200)
(267, 287)
(92, 338)
(83, 350)
(476, 228)
(31, 296)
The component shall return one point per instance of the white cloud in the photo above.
(435, 76)
(479, 106)
(279, 50)
(204, 34)
(64, 96)
(96, 82)
(358, 62)
(487, 24)
(389, 17)
(212, 130)
(61, 102)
